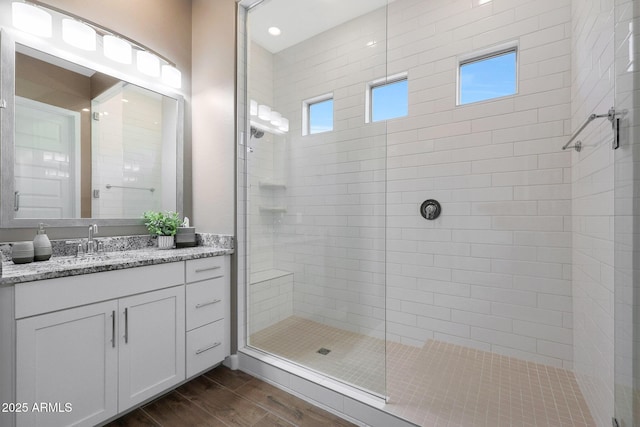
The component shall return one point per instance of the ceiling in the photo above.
(302, 19)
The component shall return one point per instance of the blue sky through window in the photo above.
(321, 116)
(488, 78)
(389, 101)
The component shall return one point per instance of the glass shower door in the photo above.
(316, 173)
(627, 221)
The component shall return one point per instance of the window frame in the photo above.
(306, 113)
(484, 54)
(395, 78)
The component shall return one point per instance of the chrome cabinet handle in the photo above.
(126, 325)
(113, 329)
(16, 201)
(201, 270)
(216, 277)
(204, 304)
(212, 346)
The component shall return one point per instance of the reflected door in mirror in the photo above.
(47, 165)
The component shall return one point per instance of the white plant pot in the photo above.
(165, 242)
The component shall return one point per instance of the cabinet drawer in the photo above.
(206, 347)
(43, 296)
(205, 268)
(206, 302)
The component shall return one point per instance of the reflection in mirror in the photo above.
(88, 145)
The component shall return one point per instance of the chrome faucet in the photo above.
(93, 230)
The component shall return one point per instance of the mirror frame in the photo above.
(8, 41)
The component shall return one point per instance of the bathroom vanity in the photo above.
(97, 336)
(85, 339)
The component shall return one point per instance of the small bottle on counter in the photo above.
(41, 245)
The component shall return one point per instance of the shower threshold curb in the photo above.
(348, 402)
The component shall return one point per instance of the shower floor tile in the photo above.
(353, 358)
(440, 384)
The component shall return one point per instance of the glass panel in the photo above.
(488, 78)
(321, 117)
(626, 220)
(389, 101)
(316, 205)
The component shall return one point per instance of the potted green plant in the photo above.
(164, 225)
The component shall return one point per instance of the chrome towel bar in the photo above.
(109, 186)
(615, 124)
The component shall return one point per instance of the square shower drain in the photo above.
(324, 351)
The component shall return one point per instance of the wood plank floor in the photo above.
(222, 397)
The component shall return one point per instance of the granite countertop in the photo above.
(63, 266)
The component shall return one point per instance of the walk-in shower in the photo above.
(412, 227)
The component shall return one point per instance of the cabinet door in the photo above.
(152, 344)
(68, 357)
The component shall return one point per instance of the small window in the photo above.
(488, 77)
(317, 115)
(388, 99)
(321, 116)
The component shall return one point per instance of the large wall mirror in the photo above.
(82, 146)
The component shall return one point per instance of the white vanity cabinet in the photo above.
(151, 347)
(68, 357)
(92, 346)
(207, 313)
(108, 341)
(101, 358)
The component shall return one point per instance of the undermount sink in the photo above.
(86, 259)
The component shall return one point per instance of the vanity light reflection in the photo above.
(272, 121)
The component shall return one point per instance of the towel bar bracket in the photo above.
(615, 125)
(577, 146)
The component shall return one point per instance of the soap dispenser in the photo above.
(41, 245)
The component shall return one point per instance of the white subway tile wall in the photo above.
(271, 299)
(521, 261)
(127, 147)
(260, 164)
(494, 270)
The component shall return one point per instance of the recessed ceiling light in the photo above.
(372, 43)
(275, 31)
